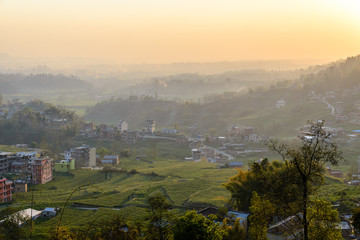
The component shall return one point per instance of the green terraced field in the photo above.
(187, 185)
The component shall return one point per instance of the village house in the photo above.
(4, 162)
(88, 127)
(49, 212)
(56, 123)
(236, 164)
(280, 103)
(149, 126)
(130, 137)
(65, 165)
(197, 154)
(25, 215)
(168, 131)
(5, 190)
(232, 215)
(110, 160)
(41, 170)
(234, 131)
(289, 228)
(20, 185)
(209, 153)
(106, 132)
(85, 156)
(122, 126)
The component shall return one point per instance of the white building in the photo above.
(281, 103)
(122, 126)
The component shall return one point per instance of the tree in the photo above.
(356, 219)
(193, 226)
(289, 184)
(160, 220)
(324, 222)
(306, 164)
(236, 232)
(1, 100)
(261, 212)
(117, 229)
(245, 183)
(103, 151)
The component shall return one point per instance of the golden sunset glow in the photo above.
(156, 31)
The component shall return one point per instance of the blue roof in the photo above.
(235, 163)
(241, 215)
(356, 131)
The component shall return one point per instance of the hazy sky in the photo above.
(162, 31)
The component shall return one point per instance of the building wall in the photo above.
(84, 156)
(62, 167)
(4, 162)
(42, 170)
(92, 157)
(20, 187)
(5, 191)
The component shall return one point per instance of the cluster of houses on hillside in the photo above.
(343, 111)
(125, 135)
(210, 154)
(7, 110)
(35, 167)
(279, 229)
(241, 134)
(337, 134)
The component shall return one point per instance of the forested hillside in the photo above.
(18, 83)
(340, 75)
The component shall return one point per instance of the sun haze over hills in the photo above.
(159, 31)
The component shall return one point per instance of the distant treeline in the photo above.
(339, 75)
(17, 83)
(33, 126)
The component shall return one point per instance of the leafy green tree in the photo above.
(125, 153)
(103, 151)
(244, 183)
(235, 232)
(324, 222)
(115, 147)
(306, 164)
(63, 233)
(160, 220)
(193, 226)
(261, 212)
(117, 229)
(356, 219)
(290, 183)
(34, 145)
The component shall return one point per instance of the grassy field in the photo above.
(7, 148)
(187, 185)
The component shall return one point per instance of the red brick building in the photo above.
(5, 190)
(41, 170)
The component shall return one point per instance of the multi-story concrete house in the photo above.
(122, 126)
(149, 126)
(130, 137)
(110, 159)
(41, 170)
(5, 190)
(85, 156)
(4, 162)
